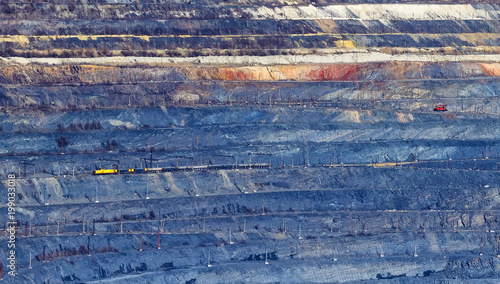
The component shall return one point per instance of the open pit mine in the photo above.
(250, 141)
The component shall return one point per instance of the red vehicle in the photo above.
(440, 108)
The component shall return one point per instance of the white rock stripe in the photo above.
(355, 57)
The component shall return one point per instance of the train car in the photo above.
(126, 171)
(105, 172)
(139, 171)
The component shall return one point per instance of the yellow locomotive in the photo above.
(105, 171)
(114, 171)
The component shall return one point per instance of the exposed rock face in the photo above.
(298, 141)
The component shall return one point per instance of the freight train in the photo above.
(182, 169)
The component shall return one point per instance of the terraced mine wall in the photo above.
(300, 139)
